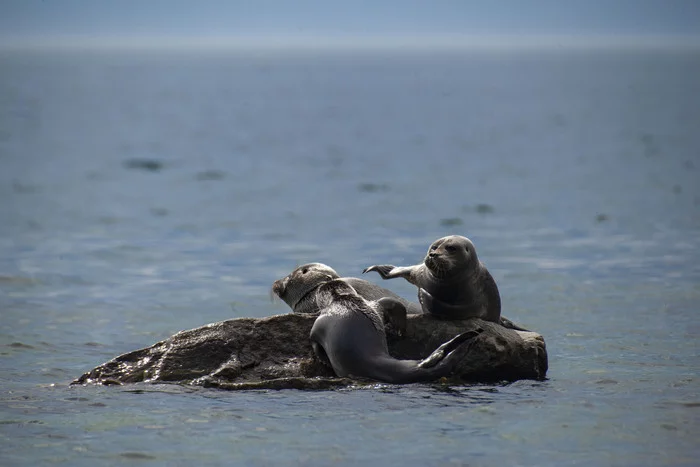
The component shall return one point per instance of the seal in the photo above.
(452, 282)
(298, 287)
(349, 336)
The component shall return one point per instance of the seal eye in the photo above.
(450, 248)
(305, 270)
(433, 248)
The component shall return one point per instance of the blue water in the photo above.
(575, 173)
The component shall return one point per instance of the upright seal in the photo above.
(298, 287)
(349, 335)
(452, 282)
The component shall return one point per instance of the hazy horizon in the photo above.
(485, 42)
(276, 23)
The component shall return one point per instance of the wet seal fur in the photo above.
(452, 282)
(298, 287)
(349, 335)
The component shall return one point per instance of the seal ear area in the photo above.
(469, 247)
(316, 268)
(393, 314)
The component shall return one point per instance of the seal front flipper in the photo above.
(443, 310)
(387, 271)
(384, 270)
(393, 315)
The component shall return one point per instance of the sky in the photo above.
(46, 20)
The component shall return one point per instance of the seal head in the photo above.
(297, 289)
(450, 256)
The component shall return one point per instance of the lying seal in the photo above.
(452, 282)
(297, 289)
(349, 335)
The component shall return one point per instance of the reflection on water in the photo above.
(142, 195)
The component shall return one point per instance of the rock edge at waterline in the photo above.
(275, 353)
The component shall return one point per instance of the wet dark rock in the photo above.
(21, 345)
(481, 208)
(159, 212)
(149, 165)
(373, 187)
(137, 456)
(211, 175)
(275, 353)
(484, 208)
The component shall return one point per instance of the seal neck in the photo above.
(307, 300)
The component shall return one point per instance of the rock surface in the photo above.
(275, 353)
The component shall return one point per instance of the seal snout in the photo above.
(279, 287)
(432, 260)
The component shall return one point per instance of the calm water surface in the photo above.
(576, 174)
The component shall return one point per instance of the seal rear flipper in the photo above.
(388, 369)
(317, 336)
(441, 363)
(443, 310)
(506, 323)
(321, 353)
(447, 349)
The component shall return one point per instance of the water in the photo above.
(574, 172)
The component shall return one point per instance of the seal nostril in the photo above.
(278, 288)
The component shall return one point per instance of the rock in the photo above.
(275, 353)
(149, 165)
(211, 175)
(373, 187)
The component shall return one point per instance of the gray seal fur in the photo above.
(452, 282)
(297, 288)
(349, 335)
